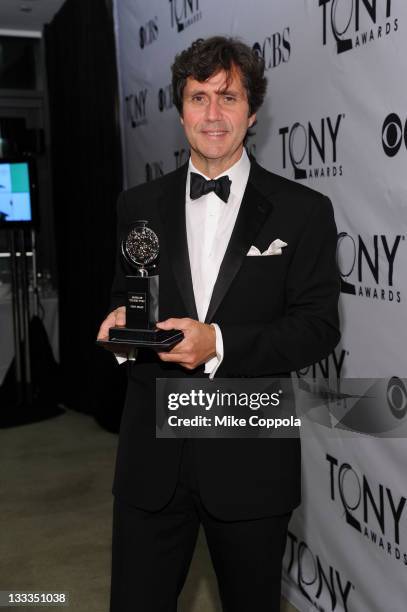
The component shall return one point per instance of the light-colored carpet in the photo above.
(55, 518)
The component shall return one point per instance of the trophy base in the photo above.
(125, 339)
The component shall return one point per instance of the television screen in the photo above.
(16, 192)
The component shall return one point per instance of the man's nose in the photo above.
(213, 110)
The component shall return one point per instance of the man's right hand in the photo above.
(117, 318)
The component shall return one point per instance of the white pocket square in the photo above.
(275, 248)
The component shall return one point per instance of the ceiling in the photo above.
(35, 15)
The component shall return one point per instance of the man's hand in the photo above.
(117, 318)
(197, 347)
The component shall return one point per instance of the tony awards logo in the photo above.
(136, 108)
(355, 23)
(184, 13)
(320, 582)
(369, 265)
(371, 508)
(312, 148)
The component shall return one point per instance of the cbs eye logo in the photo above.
(393, 134)
(397, 397)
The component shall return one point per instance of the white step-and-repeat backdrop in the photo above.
(335, 118)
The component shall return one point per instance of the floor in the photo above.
(55, 517)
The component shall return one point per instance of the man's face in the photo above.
(216, 117)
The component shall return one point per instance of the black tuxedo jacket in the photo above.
(277, 314)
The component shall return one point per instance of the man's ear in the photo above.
(252, 119)
(181, 119)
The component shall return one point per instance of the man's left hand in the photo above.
(197, 346)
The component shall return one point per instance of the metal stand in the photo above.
(29, 391)
(21, 317)
(36, 309)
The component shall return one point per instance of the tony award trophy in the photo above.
(140, 249)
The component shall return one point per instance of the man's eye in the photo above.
(229, 99)
(197, 99)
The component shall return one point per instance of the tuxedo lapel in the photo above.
(254, 209)
(172, 211)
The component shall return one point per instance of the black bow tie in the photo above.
(200, 186)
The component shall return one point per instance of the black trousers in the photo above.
(152, 552)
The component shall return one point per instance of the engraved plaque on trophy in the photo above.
(140, 249)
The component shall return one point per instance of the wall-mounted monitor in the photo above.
(17, 193)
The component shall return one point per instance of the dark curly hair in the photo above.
(205, 57)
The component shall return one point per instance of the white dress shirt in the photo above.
(209, 224)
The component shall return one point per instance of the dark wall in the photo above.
(87, 177)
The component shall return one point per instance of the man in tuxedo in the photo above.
(247, 272)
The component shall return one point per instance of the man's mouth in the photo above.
(214, 133)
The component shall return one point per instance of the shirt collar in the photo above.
(238, 174)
